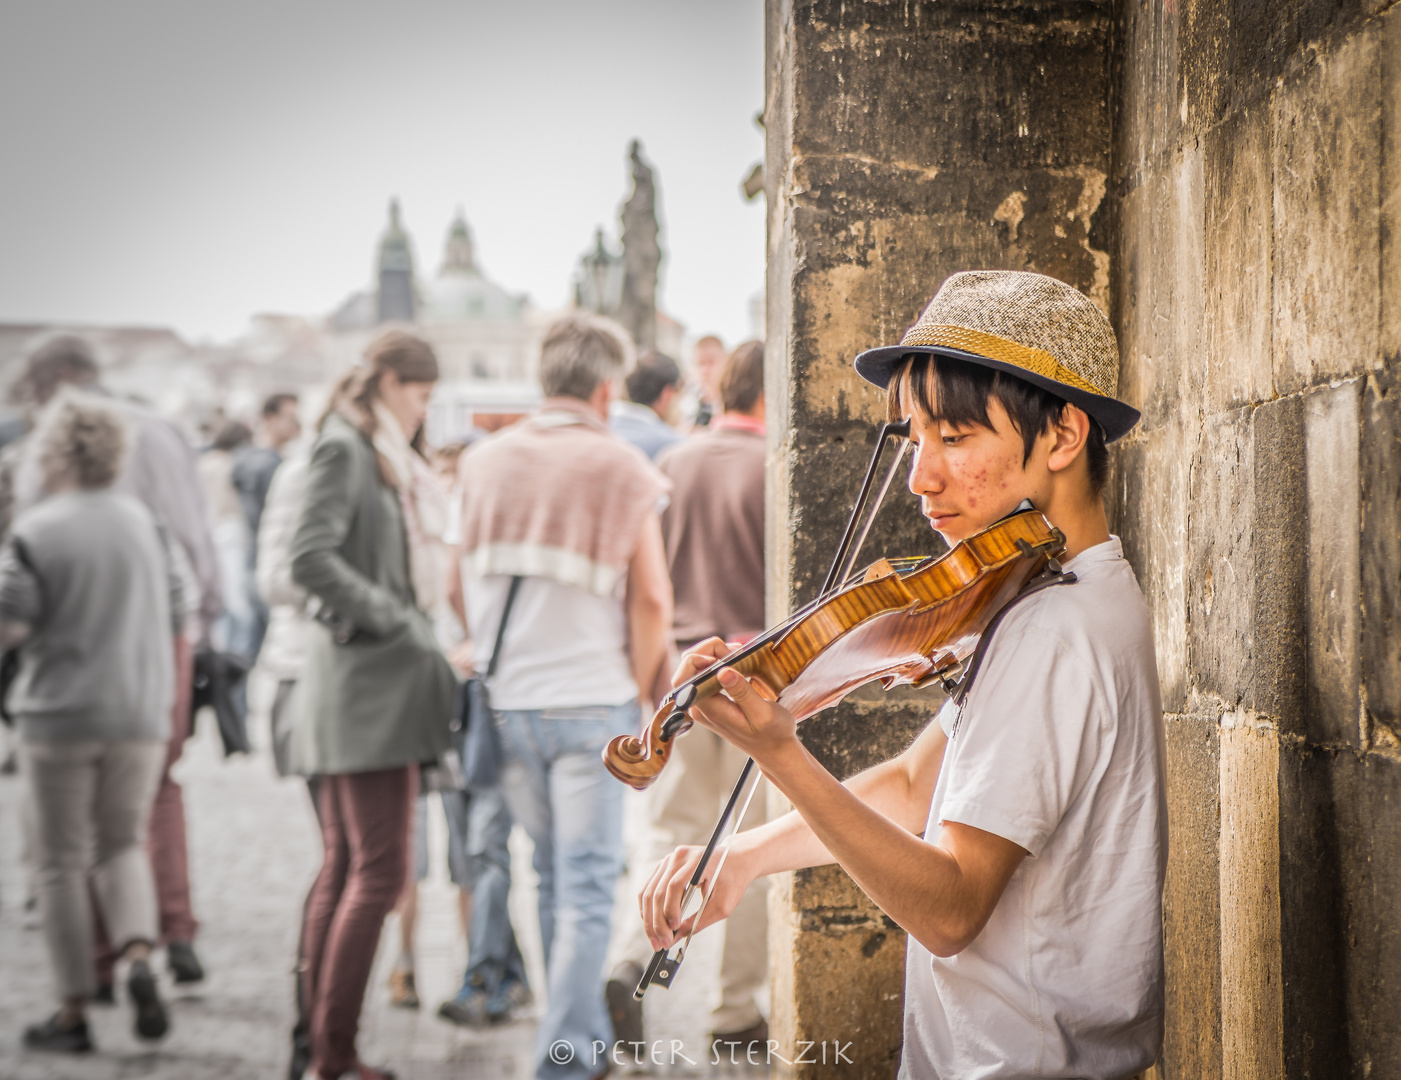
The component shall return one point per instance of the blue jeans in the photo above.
(558, 789)
(479, 825)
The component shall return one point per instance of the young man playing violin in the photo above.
(1021, 839)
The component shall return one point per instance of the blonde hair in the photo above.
(83, 439)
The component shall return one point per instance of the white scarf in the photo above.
(424, 501)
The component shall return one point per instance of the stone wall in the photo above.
(1254, 288)
(881, 181)
(1222, 177)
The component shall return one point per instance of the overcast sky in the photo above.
(191, 163)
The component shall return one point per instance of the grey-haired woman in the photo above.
(86, 592)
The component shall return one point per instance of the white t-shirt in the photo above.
(1060, 750)
(564, 647)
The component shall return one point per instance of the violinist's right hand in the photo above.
(660, 899)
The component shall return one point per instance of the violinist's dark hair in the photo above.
(957, 392)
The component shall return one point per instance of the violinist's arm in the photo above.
(943, 892)
(649, 611)
(900, 789)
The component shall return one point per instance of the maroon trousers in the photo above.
(165, 837)
(169, 855)
(366, 820)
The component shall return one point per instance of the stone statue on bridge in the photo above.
(642, 255)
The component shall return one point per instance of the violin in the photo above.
(906, 622)
(903, 621)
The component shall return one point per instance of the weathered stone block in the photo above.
(868, 258)
(1390, 238)
(1311, 934)
(1380, 554)
(1012, 108)
(1239, 239)
(1204, 92)
(1147, 502)
(1271, 38)
(868, 727)
(1252, 1009)
(1332, 418)
(831, 928)
(1327, 216)
(1146, 127)
(1158, 305)
(1366, 795)
(1192, 900)
(1280, 564)
(1220, 590)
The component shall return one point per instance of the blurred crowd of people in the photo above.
(473, 621)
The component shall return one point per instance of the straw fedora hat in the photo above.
(1027, 325)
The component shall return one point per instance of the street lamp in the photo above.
(598, 284)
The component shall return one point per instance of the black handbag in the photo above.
(479, 742)
(216, 678)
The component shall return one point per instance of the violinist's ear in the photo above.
(1068, 434)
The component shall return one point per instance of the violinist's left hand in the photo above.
(740, 716)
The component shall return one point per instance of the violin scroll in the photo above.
(638, 761)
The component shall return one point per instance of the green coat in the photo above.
(385, 698)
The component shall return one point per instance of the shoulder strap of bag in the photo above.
(501, 629)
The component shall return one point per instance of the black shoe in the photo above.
(625, 1012)
(151, 1021)
(467, 1009)
(59, 1038)
(106, 994)
(737, 1045)
(301, 1052)
(183, 963)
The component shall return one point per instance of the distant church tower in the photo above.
(458, 256)
(395, 299)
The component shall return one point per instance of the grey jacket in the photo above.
(385, 698)
(160, 471)
(91, 577)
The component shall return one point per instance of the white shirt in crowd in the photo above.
(1060, 750)
(564, 647)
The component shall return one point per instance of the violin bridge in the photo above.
(878, 569)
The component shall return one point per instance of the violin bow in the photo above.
(665, 962)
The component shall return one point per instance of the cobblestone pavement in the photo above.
(254, 851)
